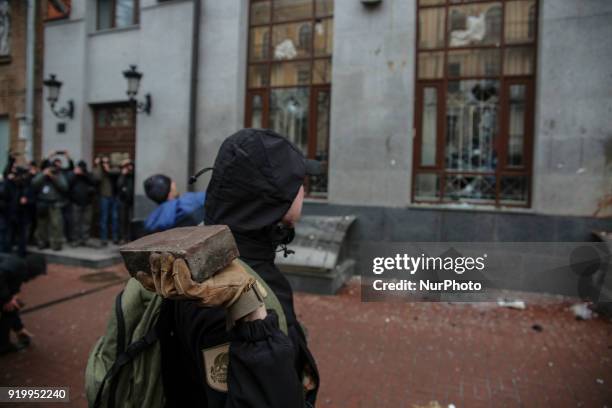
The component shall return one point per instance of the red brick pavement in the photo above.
(378, 354)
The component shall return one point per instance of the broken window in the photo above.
(474, 96)
(289, 75)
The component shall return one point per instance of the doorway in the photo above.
(114, 132)
(114, 137)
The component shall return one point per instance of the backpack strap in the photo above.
(120, 346)
(124, 355)
(270, 300)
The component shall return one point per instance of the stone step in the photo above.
(87, 257)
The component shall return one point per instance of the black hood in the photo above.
(256, 176)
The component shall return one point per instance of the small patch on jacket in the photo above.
(216, 362)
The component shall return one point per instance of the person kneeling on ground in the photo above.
(174, 210)
(13, 272)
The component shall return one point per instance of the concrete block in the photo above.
(206, 249)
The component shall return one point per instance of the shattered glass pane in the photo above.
(472, 125)
(291, 41)
(469, 188)
(289, 114)
(475, 24)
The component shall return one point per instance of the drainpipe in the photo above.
(193, 90)
(28, 131)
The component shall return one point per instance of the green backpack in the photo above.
(124, 367)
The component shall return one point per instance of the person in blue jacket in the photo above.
(174, 210)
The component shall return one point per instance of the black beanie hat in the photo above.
(157, 187)
(82, 165)
(36, 264)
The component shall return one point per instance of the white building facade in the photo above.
(439, 119)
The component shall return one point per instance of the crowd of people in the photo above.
(52, 202)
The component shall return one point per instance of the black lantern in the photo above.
(133, 83)
(53, 90)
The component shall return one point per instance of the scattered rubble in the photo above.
(582, 311)
(512, 304)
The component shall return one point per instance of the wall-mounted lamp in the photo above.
(53, 90)
(133, 83)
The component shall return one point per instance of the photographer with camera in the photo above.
(106, 175)
(82, 190)
(51, 190)
(56, 158)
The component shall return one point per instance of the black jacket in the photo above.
(125, 188)
(15, 187)
(265, 365)
(18, 188)
(82, 188)
(12, 275)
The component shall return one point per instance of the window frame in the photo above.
(113, 26)
(269, 62)
(500, 146)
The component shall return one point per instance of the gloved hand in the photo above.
(232, 288)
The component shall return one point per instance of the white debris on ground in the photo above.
(433, 404)
(512, 304)
(582, 311)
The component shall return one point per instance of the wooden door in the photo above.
(115, 131)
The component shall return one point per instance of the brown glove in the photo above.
(232, 288)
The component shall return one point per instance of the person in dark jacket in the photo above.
(13, 272)
(33, 170)
(125, 190)
(55, 158)
(5, 241)
(257, 190)
(20, 201)
(107, 175)
(82, 191)
(173, 210)
(51, 190)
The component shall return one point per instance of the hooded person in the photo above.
(257, 190)
(173, 210)
(14, 271)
